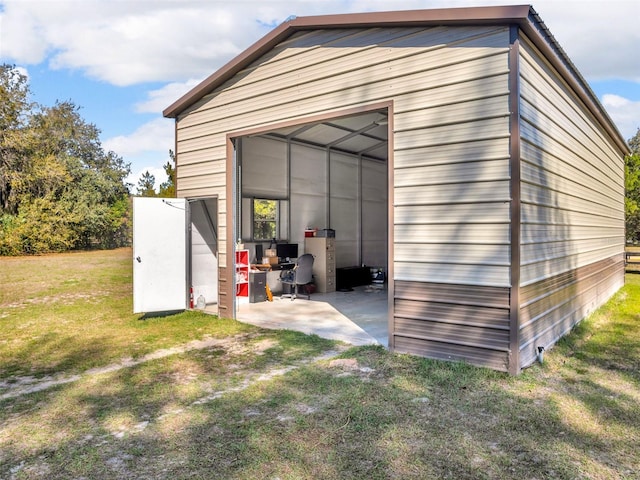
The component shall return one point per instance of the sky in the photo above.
(124, 61)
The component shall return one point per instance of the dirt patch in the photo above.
(63, 298)
(18, 386)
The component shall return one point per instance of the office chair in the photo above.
(301, 274)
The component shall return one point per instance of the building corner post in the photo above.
(515, 187)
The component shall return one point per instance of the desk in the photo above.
(265, 267)
(283, 266)
(273, 274)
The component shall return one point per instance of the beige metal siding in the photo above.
(572, 189)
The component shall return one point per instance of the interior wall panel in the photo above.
(266, 175)
(344, 208)
(374, 207)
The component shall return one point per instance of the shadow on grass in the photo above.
(392, 417)
(221, 413)
(168, 313)
(61, 351)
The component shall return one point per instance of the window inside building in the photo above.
(265, 218)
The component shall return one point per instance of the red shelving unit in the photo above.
(242, 275)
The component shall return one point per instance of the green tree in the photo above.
(14, 103)
(168, 188)
(632, 187)
(60, 189)
(146, 185)
(265, 219)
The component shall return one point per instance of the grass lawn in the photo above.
(282, 405)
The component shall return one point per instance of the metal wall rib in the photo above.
(551, 307)
(572, 224)
(453, 322)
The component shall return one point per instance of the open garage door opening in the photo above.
(319, 188)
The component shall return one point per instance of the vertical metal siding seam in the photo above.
(514, 145)
(229, 249)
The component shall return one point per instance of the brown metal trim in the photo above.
(223, 294)
(514, 153)
(446, 321)
(229, 283)
(175, 153)
(390, 224)
(404, 18)
(584, 284)
(454, 294)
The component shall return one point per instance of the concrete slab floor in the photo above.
(358, 317)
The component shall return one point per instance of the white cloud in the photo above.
(624, 112)
(158, 100)
(156, 136)
(146, 149)
(128, 42)
(598, 36)
(125, 42)
(23, 71)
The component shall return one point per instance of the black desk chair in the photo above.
(302, 274)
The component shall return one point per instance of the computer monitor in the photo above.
(287, 250)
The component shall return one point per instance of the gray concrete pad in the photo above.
(359, 317)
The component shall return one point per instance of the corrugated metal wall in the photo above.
(451, 163)
(572, 215)
(451, 215)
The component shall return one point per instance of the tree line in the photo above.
(632, 190)
(59, 189)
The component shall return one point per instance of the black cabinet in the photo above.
(349, 277)
(257, 287)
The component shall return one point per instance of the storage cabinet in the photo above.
(324, 264)
(242, 275)
(257, 287)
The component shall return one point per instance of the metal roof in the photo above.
(524, 16)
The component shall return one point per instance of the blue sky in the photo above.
(124, 61)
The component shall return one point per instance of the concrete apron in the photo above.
(358, 317)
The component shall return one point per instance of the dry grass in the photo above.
(269, 405)
(71, 312)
